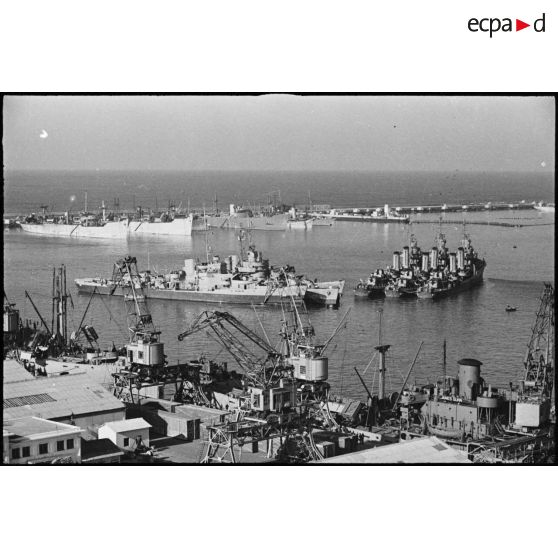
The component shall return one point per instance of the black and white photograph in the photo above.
(278, 279)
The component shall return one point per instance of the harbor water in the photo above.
(474, 323)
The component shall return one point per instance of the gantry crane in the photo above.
(259, 370)
(539, 357)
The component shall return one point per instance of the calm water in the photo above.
(474, 323)
(27, 191)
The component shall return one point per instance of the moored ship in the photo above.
(243, 218)
(545, 207)
(454, 272)
(88, 225)
(426, 274)
(233, 280)
(379, 215)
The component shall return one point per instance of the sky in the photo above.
(279, 132)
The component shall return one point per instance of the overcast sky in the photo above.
(279, 132)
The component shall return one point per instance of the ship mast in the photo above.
(382, 350)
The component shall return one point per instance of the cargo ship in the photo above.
(242, 218)
(233, 280)
(88, 225)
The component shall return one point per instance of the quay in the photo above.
(469, 222)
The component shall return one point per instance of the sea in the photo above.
(473, 324)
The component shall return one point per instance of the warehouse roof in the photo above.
(127, 425)
(57, 398)
(13, 371)
(419, 450)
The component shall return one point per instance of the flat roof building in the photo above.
(38, 440)
(128, 434)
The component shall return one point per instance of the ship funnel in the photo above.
(453, 262)
(396, 261)
(434, 258)
(405, 257)
(469, 376)
(425, 262)
(460, 258)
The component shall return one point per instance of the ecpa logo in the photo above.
(494, 24)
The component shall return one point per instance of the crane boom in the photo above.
(539, 357)
(232, 334)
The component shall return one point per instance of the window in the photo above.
(26, 451)
(70, 443)
(15, 453)
(60, 445)
(140, 355)
(43, 448)
(126, 442)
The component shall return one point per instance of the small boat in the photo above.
(510, 308)
(545, 207)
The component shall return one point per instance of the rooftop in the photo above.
(127, 425)
(34, 427)
(419, 450)
(57, 398)
(13, 371)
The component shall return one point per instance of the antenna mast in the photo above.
(382, 349)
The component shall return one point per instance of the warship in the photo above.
(426, 274)
(247, 279)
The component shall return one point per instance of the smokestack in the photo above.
(396, 261)
(434, 258)
(405, 257)
(425, 262)
(460, 258)
(453, 262)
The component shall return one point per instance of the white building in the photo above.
(126, 434)
(37, 440)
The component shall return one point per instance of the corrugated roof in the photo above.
(73, 394)
(127, 425)
(419, 450)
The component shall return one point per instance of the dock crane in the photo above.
(145, 364)
(232, 334)
(145, 359)
(284, 390)
(539, 357)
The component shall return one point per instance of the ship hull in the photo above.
(217, 296)
(176, 227)
(465, 285)
(261, 223)
(370, 292)
(302, 224)
(117, 229)
(322, 297)
(114, 229)
(370, 219)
